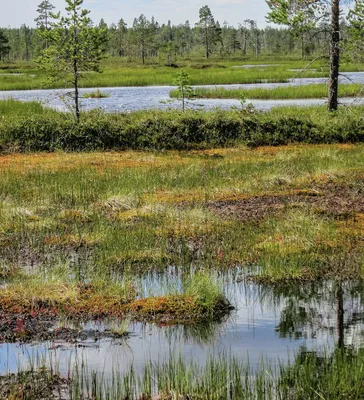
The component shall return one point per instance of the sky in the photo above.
(17, 12)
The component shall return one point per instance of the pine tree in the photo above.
(121, 37)
(184, 88)
(4, 45)
(45, 14)
(75, 47)
(208, 29)
(144, 34)
(294, 13)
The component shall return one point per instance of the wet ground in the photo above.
(270, 322)
(125, 99)
(339, 200)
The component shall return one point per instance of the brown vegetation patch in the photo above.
(29, 311)
(30, 327)
(33, 385)
(176, 309)
(339, 200)
(71, 241)
(23, 163)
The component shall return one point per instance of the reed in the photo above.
(310, 375)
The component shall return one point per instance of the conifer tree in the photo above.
(75, 47)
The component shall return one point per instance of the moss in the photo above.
(94, 300)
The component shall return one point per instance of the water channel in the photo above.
(128, 99)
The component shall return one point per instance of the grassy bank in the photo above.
(152, 76)
(122, 72)
(48, 130)
(301, 92)
(13, 108)
(55, 294)
(119, 72)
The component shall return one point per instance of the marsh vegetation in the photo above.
(181, 254)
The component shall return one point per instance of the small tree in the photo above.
(75, 47)
(183, 87)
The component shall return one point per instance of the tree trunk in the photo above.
(207, 43)
(245, 41)
(340, 316)
(334, 56)
(183, 99)
(143, 53)
(77, 96)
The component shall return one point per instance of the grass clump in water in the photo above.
(96, 95)
(56, 295)
(201, 298)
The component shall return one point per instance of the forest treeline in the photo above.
(147, 39)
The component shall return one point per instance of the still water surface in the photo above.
(270, 323)
(127, 99)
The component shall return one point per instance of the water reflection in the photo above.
(270, 322)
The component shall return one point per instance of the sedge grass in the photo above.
(310, 375)
(136, 211)
(95, 95)
(134, 75)
(302, 92)
(13, 108)
(119, 71)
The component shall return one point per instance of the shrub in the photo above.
(167, 130)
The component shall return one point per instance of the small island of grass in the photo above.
(95, 95)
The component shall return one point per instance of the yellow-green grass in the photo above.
(313, 91)
(315, 375)
(97, 94)
(136, 211)
(311, 375)
(12, 107)
(123, 72)
(118, 73)
(57, 293)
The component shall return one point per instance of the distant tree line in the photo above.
(166, 43)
